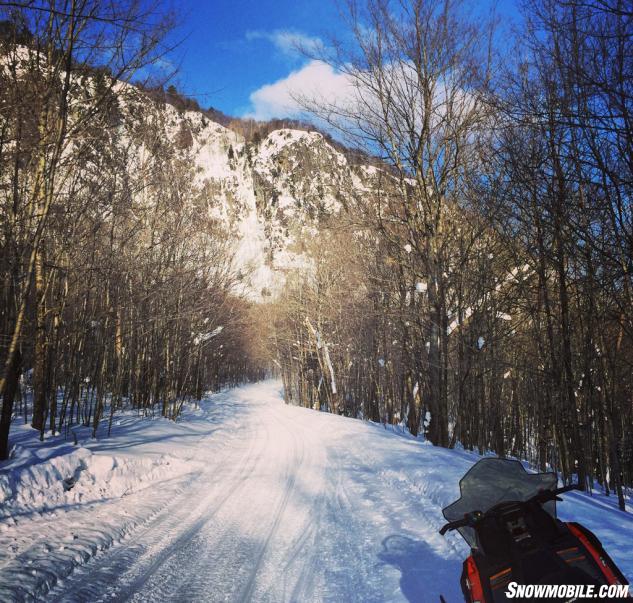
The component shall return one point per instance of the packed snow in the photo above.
(245, 499)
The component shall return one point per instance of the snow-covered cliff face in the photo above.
(271, 195)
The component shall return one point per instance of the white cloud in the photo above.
(290, 43)
(315, 80)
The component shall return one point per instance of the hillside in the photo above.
(273, 193)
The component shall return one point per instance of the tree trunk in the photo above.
(39, 351)
(7, 404)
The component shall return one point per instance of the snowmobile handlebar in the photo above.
(547, 495)
(470, 519)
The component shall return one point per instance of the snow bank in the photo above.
(80, 476)
(63, 504)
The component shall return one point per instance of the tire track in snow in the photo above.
(187, 560)
(304, 584)
(291, 478)
(186, 537)
(115, 563)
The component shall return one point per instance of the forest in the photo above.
(484, 298)
(480, 294)
(116, 288)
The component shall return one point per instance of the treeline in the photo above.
(481, 292)
(117, 285)
(253, 131)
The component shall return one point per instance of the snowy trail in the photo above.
(285, 512)
(284, 504)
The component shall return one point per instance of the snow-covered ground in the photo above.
(244, 499)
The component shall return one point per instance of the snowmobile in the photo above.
(508, 517)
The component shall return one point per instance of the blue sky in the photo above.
(237, 55)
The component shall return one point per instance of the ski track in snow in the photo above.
(281, 504)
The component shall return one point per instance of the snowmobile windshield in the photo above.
(492, 481)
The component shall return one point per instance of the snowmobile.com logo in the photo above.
(568, 592)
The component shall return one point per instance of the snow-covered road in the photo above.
(278, 504)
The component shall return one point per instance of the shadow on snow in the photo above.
(423, 573)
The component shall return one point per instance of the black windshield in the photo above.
(492, 481)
